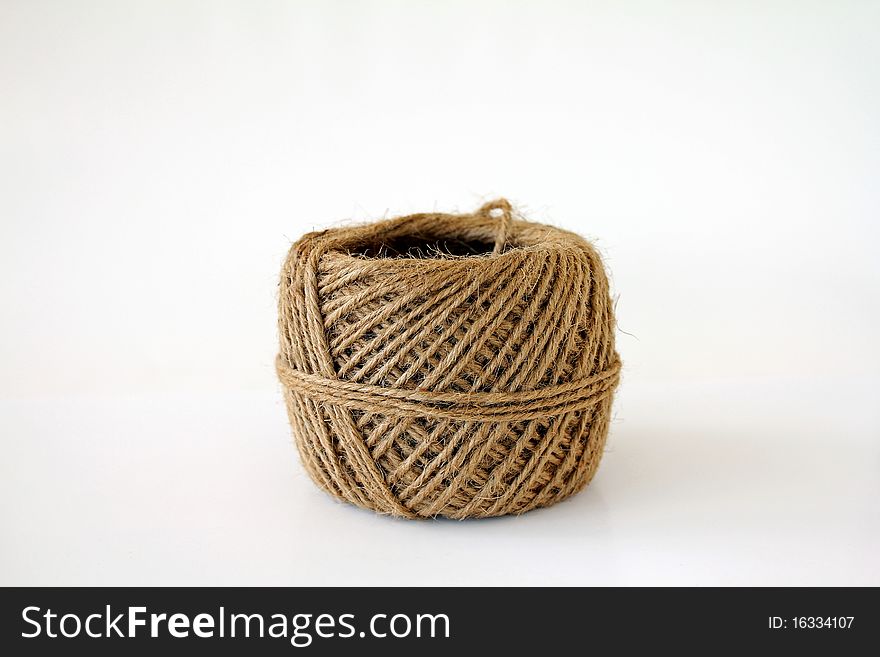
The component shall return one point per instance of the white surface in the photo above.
(156, 159)
(720, 483)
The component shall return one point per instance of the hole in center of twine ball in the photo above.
(418, 247)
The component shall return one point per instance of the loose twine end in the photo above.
(502, 210)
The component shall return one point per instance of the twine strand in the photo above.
(466, 406)
(501, 210)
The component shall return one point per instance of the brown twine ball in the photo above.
(448, 365)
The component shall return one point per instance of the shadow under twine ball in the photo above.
(448, 365)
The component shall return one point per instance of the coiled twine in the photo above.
(448, 365)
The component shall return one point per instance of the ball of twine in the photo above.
(448, 365)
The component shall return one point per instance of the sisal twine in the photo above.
(448, 365)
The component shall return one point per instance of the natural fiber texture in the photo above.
(448, 365)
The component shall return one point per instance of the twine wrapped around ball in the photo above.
(448, 365)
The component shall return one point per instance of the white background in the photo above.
(157, 159)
